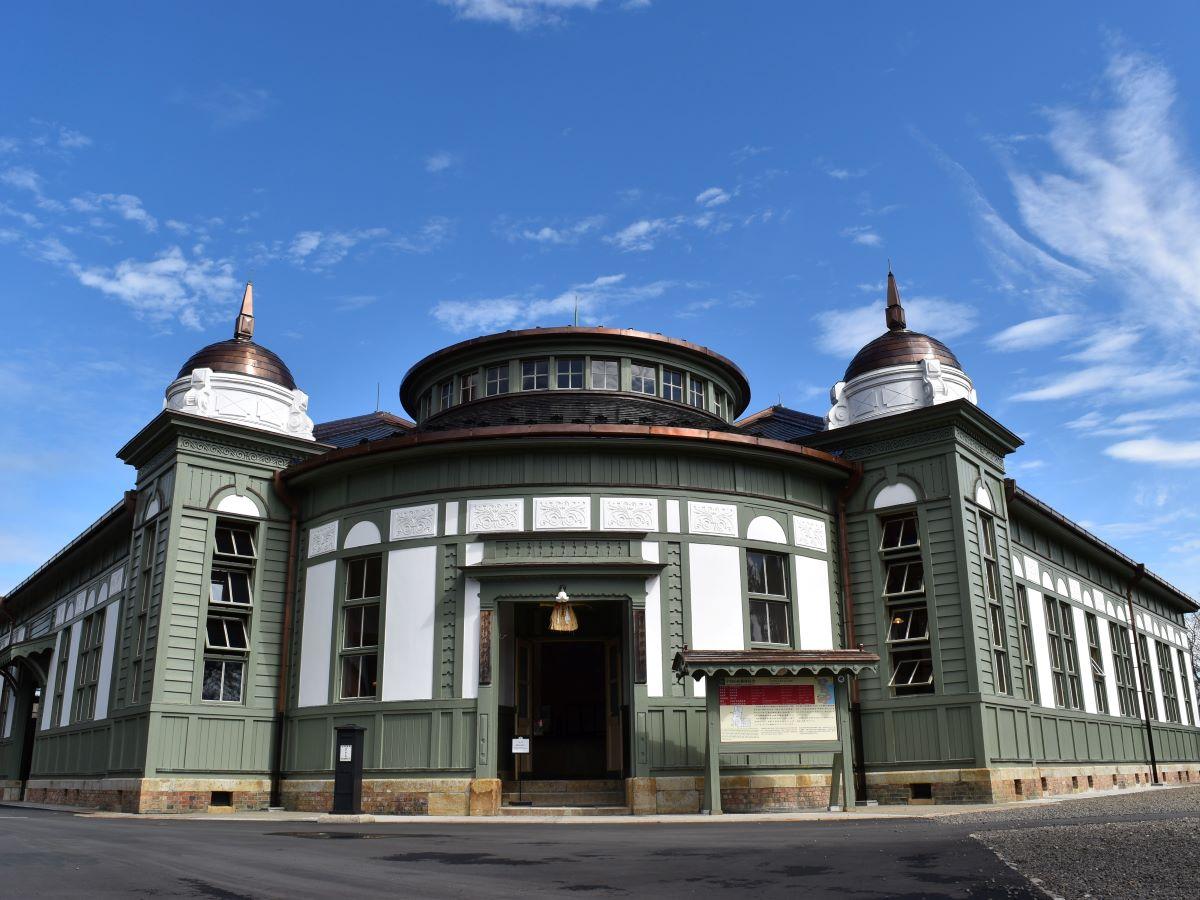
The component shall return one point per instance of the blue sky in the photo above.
(395, 177)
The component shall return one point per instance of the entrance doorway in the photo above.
(570, 694)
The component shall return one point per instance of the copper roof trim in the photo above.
(430, 438)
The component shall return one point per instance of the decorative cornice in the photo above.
(241, 452)
(903, 442)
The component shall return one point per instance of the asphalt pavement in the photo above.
(59, 854)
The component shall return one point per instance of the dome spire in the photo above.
(243, 330)
(895, 312)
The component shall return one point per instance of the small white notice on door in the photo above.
(520, 745)
(345, 752)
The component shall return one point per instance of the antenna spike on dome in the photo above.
(895, 312)
(244, 329)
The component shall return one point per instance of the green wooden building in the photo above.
(567, 510)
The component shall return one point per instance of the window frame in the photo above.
(697, 392)
(1185, 682)
(534, 376)
(605, 375)
(901, 520)
(651, 379)
(444, 393)
(227, 657)
(87, 666)
(673, 384)
(1096, 658)
(501, 381)
(1123, 672)
(570, 362)
(1025, 630)
(1149, 701)
(1166, 676)
(1064, 660)
(906, 591)
(768, 599)
(224, 660)
(468, 386)
(356, 600)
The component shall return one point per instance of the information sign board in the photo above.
(765, 709)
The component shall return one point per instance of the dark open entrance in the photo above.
(569, 693)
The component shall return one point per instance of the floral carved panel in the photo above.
(810, 533)
(412, 522)
(712, 518)
(496, 515)
(562, 513)
(322, 539)
(629, 513)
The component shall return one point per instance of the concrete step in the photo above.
(567, 785)
(565, 811)
(572, 798)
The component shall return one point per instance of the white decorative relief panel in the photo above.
(496, 515)
(562, 513)
(413, 522)
(712, 518)
(810, 533)
(322, 539)
(629, 513)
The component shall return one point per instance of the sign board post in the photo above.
(520, 745)
(347, 770)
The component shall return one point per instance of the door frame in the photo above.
(627, 589)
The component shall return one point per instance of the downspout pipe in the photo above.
(1144, 682)
(285, 637)
(847, 491)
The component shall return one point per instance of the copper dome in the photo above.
(238, 356)
(896, 348)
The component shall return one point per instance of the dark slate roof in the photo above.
(239, 356)
(898, 347)
(571, 408)
(354, 430)
(781, 424)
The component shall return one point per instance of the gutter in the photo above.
(859, 754)
(285, 637)
(1147, 687)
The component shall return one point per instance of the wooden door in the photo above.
(614, 700)
(523, 707)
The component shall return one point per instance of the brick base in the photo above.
(10, 790)
(1010, 784)
(739, 794)
(150, 795)
(396, 796)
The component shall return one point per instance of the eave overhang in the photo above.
(699, 664)
(961, 413)
(1021, 502)
(170, 424)
(485, 437)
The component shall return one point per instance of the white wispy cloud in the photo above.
(22, 178)
(862, 234)
(517, 14)
(1123, 201)
(596, 300)
(562, 232)
(127, 206)
(840, 173)
(171, 286)
(843, 332)
(318, 250)
(643, 234)
(1035, 334)
(1157, 450)
(713, 196)
(1134, 422)
(1112, 381)
(354, 302)
(440, 161)
(748, 151)
(228, 105)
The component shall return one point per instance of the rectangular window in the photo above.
(87, 668)
(495, 380)
(912, 672)
(535, 374)
(468, 386)
(445, 394)
(643, 379)
(60, 680)
(987, 546)
(991, 589)
(234, 542)
(721, 402)
(360, 628)
(908, 623)
(696, 392)
(145, 592)
(225, 633)
(606, 375)
(1063, 661)
(900, 533)
(1147, 679)
(770, 606)
(1123, 669)
(569, 373)
(223, 680)
(1097, 660)
(230, 586)
(1186, 677)
(1027, 657)
(904, 578)
(1166, 675)
(672, 385)
(999, 652)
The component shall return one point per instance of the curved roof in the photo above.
(238, 356)
(895, 348)
(568, 334)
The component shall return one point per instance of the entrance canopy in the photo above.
(733, 663)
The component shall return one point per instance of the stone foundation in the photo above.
(401, 796)
(1010, 784)
(10, 790)
(151, 795)
(739, 793)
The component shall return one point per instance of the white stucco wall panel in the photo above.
(714, 573)
(112, 618)
(316, 639)
(814, 625)
(654, 644)
(407, 670)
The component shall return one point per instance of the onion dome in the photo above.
(240, 381)
(240, 355)
(897, 371)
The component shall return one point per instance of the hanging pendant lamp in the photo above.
(562, 616)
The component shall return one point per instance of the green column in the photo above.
(842, 696)
(712, 746)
